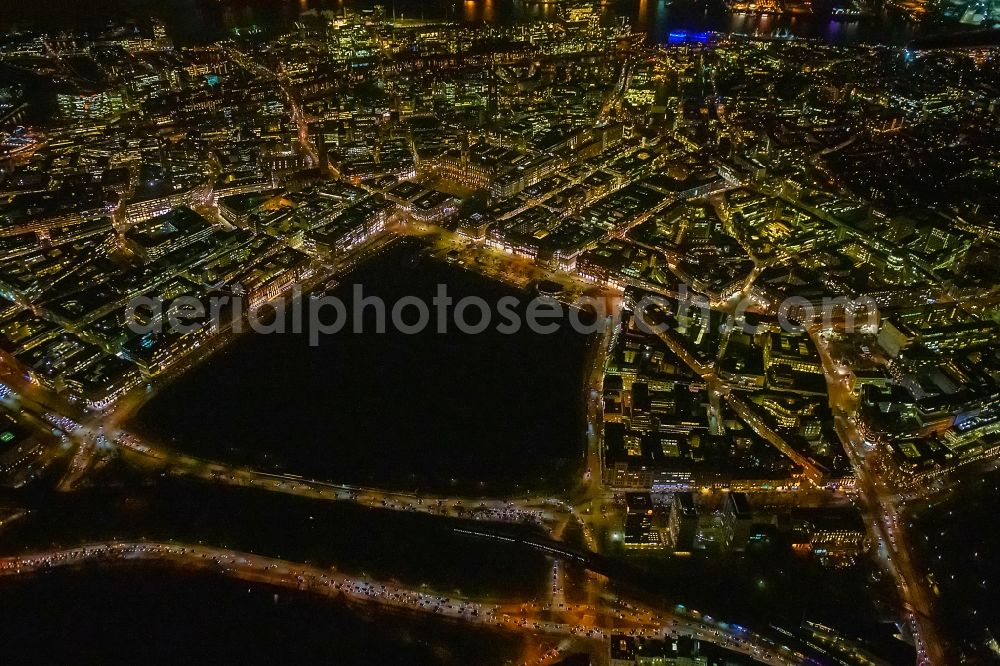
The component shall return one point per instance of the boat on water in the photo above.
(851, 10)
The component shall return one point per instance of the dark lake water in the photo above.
(204, 20)
(152, 615)
(452, 412)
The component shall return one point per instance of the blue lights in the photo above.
(688, 37)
